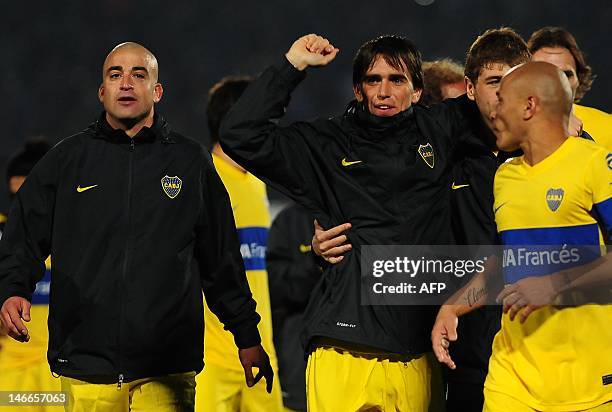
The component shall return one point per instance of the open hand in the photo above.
(443, 333)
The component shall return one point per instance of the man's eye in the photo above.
(371, 80)
(569, 74)
(139, 75)
(114, 75)
(398, 80)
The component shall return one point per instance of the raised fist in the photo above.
(311, 50)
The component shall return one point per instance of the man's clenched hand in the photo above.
(311, 50)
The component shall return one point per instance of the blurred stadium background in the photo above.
(52, 52)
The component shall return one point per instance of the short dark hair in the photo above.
(24, 160)
(399, 52)
(436, 74)
(495, 46)
(559, 37)
(221, 98)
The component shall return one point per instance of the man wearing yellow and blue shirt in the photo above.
(221, 387)
(25, 367)
(547, 361)
(557, 358)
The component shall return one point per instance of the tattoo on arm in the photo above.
(474, 294)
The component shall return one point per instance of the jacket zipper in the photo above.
(126, 260)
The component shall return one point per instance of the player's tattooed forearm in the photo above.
(474, 295)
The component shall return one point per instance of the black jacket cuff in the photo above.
(289, 73)
(246, 336)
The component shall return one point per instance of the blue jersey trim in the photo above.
(542, 251)
(41, 294)
(522, 261)
(604, 213)
(253, 247)
(568, 235)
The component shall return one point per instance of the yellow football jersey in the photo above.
(250, 205)
(597, 124)
(560, 358)
(15, 355)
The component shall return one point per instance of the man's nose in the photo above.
(384, 90)
(493, 114)
(126, 83)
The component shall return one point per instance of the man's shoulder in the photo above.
(451, 117)
(187, 143)
(189, 149)
(591, 112)
(457, 106)
(597, 160)
(75, 140)
(584, 149)
(331, 125)
(320, 132)
(509, 166)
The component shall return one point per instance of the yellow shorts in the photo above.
(339, 380)
(32, 378)
(164, 393)
(224, 390)
(500, 402)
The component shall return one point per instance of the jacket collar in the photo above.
(160, 130)
(377, 127)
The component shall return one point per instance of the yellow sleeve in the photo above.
(599, 181)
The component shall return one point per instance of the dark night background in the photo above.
(53, 51)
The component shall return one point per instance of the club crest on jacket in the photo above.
(171, 186)
(427, 154)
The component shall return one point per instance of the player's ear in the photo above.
(470, 89)
(158, 91)
(358, 92)
(529, 108)
(416, 95)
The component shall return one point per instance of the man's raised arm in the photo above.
(281, 156)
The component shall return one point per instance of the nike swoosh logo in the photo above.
(82, 189)
(305, 248)
(499, 207)
(348, 163)
(455, 187)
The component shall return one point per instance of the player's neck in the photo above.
(541, 142)
(131, 129)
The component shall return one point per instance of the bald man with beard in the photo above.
(139, 225)
(548, 357)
